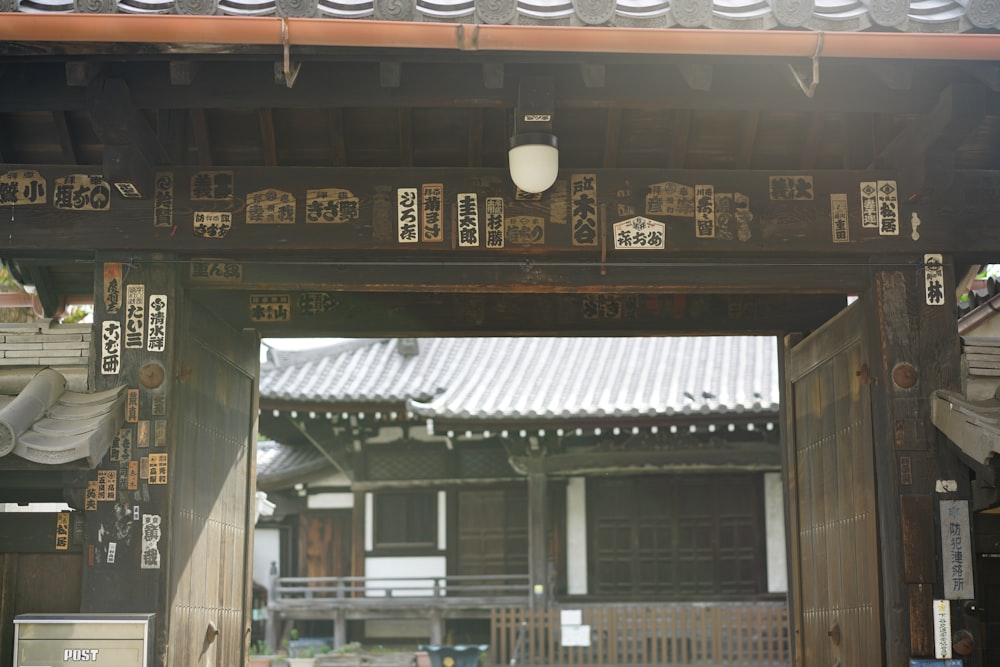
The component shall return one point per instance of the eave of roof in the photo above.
(191, 34)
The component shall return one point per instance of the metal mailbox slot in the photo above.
(106, 640)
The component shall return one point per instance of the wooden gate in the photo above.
(836, 587)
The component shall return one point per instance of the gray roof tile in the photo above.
(537, 378)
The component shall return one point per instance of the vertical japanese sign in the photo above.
(62, 531)
(132, 406)
(888, 209)
(163, 200)
(112, 287)
(838, 218)
(156, 336)
(704, 216)
(107, 483)
(942, 629)
(468, 219)
(431, 205)
(934, 279)
(90, 496)
(869, 205)
(583, 209)
(956, 550)
(111, 347)
(494, 222)
(158, 468)
(406, 215)
(150, 542)
(135, 316)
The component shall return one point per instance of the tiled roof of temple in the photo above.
(534, 378)
(824, 15)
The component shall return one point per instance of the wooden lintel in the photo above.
(458, 314)
(781, 232)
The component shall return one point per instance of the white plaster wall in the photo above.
(330, 501)
(774, 523)
(266, 549)
(576, 536)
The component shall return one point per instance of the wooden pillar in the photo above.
(176, 538)
(437, 627)
(913, 350)
(537, 542)
(339, 630)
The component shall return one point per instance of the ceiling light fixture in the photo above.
(534, 151)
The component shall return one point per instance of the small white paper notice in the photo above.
(576, 635)
(570, 616)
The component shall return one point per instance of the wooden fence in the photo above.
(710, 634)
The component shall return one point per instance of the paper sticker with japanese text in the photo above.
(22, 187)
(81, 192)
(583, 209)
(156, 334)
(270, 207)
(331, 206)
(467, 204)
(111, 347)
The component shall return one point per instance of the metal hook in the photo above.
(810, 89)
(290, 73)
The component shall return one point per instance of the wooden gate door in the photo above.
(836, 585)
(325, 544)
(492, 532)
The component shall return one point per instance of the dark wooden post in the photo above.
(914, 349)
(537, 543)
(176, 538)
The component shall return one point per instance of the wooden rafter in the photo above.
(66, 144)
(266, 119)
(812, 141)
(338, 150)
(679, 142)
(405, 138)
(748, 139)
(612, 132)
(199, 123)
(474, 156)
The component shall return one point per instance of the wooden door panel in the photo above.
(830, 452)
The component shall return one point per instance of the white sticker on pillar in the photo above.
(956, 550)
(135, 316)
(869, 205)
(406, 215)
(888, 208)
(150, 542)
(934, 279)
(468, 220)
(156, 336)
(111, 347)
(838, 218)
(942, 629)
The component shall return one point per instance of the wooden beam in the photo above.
(201, 139)
(171, 131)
(34, 532)
(405, 138)
(698, 76)
(493, 76)
(923, 152)
(183, 72)
(593, 75)
(474, 156)
(353, 314)
(612, 131)
(80, 73)
(65, 137)
(780, 233)
(227, 84)
(390, 74)
(813, 139)
(338, 149)
(6, 152)
(679, 138)
(748, 139)
(755, 457)
(859, 143)
(266, 120)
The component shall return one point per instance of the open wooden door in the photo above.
(835, 598)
